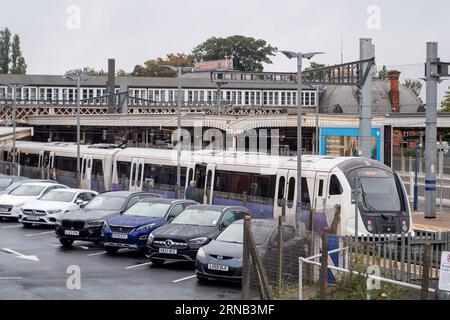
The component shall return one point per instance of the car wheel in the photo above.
(27, 225)
(157, 262)
(66, 242)
(201, 279)
(111, 250)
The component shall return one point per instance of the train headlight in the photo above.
(404, 225)
(370, 225)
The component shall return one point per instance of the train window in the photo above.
(335, 186)
(291, 192)
(222, 181)
(29, 160)
(240, 183)
(320, 191)
(97, 167)
(139, 175)
(262, 186)
(306, 199)
(281, 187)
(123, 172)
(66, 164)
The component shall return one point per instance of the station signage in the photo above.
(444, 276)
(225, 64)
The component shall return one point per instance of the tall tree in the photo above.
(248, 54)
(5, 49)
(18, 65)
(414, 85)
(383, 74)
(446, 101)
(152, 68)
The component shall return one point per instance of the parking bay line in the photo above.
(183, 279)
(138, 265)
(96, 254)
(39, 234)
(14, 226)
(11, 278)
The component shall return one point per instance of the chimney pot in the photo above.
(394, 92)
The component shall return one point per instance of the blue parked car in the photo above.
(131, 229)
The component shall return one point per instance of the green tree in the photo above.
(86, 71)
(414, 85)
(5, 49)
(151, 68)
(18, 65)
(314, 65)
(248, 54)
(446, 101)
(383, 74)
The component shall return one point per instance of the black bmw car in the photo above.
(221, 259)
(191, 229)
(86, 224)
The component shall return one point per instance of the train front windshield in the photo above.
(381, 191)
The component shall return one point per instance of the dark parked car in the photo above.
(221, 259)
(193, 228)
(86, 224)
(131, 229)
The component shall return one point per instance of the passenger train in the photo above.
(265, 184)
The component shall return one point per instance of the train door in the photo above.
(86, 171)
(209, 184)
(200, 178)
(320, 192)
(190, 170)
(285, 192)
(136, 174)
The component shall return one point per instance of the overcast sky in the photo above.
(132, 31)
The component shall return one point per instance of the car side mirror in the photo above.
(223, 225)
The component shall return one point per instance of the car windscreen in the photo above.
(235, 233)
(27, 190)
(148, 209)
(380, 190)
(4, 182)
(104, 202)
(206, 218)
(58, 195)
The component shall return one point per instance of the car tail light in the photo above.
(404, 225)
(370, 225)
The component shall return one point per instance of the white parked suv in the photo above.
(46, 209)
(11, 203)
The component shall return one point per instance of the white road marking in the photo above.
(39, 234)
(14, 226)
(182, 279)
(84, 247)
(138, 265)
(96, 254)
(11, 278)
(20, 255)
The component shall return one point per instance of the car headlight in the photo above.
(146, 227)
(151, 237)
(198, 241)
(54, 211)
(96, 223)
(201, 253)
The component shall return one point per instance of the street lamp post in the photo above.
(179, 71)
(78, 79)
(299, 56)
(416, 186)
(14, 88)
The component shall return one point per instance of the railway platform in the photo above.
(440, 224)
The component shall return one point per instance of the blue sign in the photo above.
(344, 142)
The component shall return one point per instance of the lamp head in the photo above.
(289, 54)
(310, 55)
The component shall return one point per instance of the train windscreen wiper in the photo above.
(366, 203)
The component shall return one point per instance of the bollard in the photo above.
(324, 266)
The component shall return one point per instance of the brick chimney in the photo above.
(394, 93)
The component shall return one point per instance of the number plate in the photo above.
(31, 218)
(217, 267)
(119, 236)
(168, 251)
(72, 233)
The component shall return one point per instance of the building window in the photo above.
(258, 98)
(234, 98)
(252, 98)
(271, 98)
(202, 95)
(275, 98)
(247, 98)
(239, 98)
(265, 101)
(228, 96)
(283, 98)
